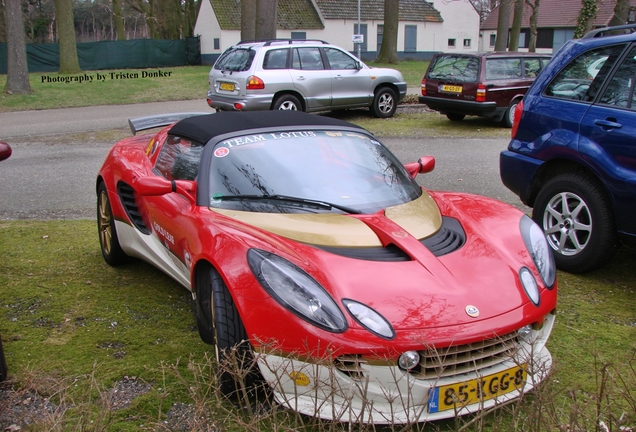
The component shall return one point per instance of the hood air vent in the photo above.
(447, 239)
(127, 196)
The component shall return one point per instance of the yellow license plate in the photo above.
(227, 86)
(451, 88)
(457, 396)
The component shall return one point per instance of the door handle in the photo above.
(300, 78)
(608, 124)
(338, 77)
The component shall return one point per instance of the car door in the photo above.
(311, 78)
(170, 215)
(608, 139)
(350, 85)
(504, 80)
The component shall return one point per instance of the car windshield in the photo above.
(307, 172)
(235, 60)
(455, 68)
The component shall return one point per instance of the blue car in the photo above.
(572, 156)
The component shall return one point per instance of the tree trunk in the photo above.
(585, 20)
(388, 50)
(17, 69)
(516, 26)
(248, 19)
(503, 24)
(69, 63)
(119, 20)
(266, 19)
(620, 13)
(534, 18)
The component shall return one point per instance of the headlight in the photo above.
(298, 292)
(529, 284)
(537, 245)
(370, 319)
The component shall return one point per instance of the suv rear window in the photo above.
(235, 60)
(455, 68)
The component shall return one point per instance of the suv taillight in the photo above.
(255, 83)
(517, 119)
(481, 93)
(423, 86)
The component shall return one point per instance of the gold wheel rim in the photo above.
(104, 223)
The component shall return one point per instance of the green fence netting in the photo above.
(129, 54)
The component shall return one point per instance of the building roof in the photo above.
(410, 10)
(557, 14)
(291, 14)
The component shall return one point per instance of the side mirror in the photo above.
(157, 186)
(424, 165)
(5, 150)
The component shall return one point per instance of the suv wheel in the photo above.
(455, 117)
(509, 117)
(575, 214)
(288, 103)
(384, 103)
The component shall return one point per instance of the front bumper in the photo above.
(385, 394)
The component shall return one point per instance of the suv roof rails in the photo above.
(601, 31)
(269, 42)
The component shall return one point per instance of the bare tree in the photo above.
(388, 50)
(118, 17)
(248, 19)
(17, 69)
(587, 15)
(534, 18)
(266, 19)
(515, 32)
(621, 11)
(503, 23)
(69, 64)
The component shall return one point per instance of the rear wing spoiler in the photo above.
(159, 120)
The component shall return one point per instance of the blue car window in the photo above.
(581, 79)
(620, 89)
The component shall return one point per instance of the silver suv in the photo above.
(303, 75)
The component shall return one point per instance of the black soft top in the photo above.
(205, 127)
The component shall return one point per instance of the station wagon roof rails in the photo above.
(601, 31)
(291, 41)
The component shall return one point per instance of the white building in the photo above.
(424, 28)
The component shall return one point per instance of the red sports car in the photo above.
(357, 294)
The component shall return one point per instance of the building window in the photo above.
(380, 36)
(466, 43)
(493, 39)
(217, 43)
(299, 35)
(451, 43)
(363, 32)
(410, 38)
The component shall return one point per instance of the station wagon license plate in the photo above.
(456, 396)
(226, 86)
(451, 88)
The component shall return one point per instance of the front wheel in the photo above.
(384, 103)
(288, 103)
(219, 322)
(576, 216)
(111, 250)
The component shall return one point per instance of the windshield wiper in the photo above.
(305, 201)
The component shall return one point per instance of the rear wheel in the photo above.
(384, 103)
(509, 117)
(288, 103)
(219, 322)
(111, 250)
(576, 216)
(455, 117)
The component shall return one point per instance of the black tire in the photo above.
(455, 117)
(384, 103)
(219, 323)
(3, 364)
(288, 103)
(582, 233)
(111, 250)
(509, 116)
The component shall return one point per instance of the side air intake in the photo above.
(127, 197)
